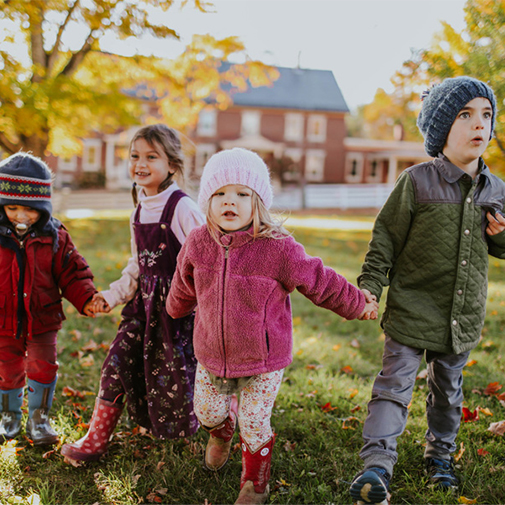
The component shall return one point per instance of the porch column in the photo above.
(392, 169)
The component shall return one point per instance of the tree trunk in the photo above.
(36, 144)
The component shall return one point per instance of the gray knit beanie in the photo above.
(235, 166)
(441, 105)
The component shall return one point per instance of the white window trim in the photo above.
(312, 137)
(200, 159)
(350, 158)
(290, 119)
(380, 168)
(206, 130)
(314, 154)
(97, 145)
(251, 113)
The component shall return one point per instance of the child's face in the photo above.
(470, 132)
(231, 207)
(148, 166)
(20, 214)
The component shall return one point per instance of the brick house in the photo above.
(297, 125)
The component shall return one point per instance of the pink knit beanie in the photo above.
(235, 166)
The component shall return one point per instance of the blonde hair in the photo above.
(168, 139)
(264, 225)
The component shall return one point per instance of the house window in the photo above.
(251, 121)
(374, 172)
(203, 153)
(91, 155)
(314, 165)
(293, 127)
(292, 164)
(354, 167)
(207, 122)
(316, 128)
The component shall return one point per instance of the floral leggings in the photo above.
(255, 407)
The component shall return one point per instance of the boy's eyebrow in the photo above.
(466, 107)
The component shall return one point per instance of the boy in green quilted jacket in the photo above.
(430, 245)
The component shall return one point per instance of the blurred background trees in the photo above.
(58, 83)
(478, 51)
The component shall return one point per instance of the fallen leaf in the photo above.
(76, 333)
(48, 453)
(353, 393)
(460, 452)
(462, 499)
(484, 411)
(471, 362)
(356, 409)
(350, 423)
(355, 343)
(68, 391)
(482, 452)
(289, 447)
(160, 465)
(469, 416)
(327, 407)
(492, 388)
(337, 347)
(497, 428)
(347, 369)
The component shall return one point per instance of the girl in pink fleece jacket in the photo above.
(240, 270)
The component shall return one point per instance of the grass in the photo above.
(318, 415)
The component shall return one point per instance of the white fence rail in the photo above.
(341, 196)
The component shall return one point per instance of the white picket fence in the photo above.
(327, 196)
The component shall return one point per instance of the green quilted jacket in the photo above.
(429, 245)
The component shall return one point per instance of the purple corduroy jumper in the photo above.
(151, 360)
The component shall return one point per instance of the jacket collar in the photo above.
(451, 173)
(237, 238)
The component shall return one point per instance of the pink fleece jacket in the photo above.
(243, 321)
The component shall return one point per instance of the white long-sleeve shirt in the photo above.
(187, 216)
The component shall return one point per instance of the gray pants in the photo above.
(391, 395)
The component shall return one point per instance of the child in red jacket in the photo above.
(240, 269)
(38, 265)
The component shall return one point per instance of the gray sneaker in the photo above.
(371, 486)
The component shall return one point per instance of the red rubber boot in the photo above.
(94, 444)
(256, 466)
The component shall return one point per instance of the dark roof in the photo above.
(296, 88)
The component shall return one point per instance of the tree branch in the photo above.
(500, 144)
(78, 56)
(6, 144)
(53, 55)
(37, 43)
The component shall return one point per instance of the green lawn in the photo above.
(318, 414)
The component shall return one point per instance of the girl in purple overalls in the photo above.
(150, 364)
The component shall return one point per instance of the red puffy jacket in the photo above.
(34, 306)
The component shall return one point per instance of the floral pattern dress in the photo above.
(151, 360)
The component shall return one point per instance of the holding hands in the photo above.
(95, 305)
(371, 309)
(496, 223)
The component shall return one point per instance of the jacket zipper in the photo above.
(226, 248)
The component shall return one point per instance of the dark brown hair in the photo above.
(168, 139)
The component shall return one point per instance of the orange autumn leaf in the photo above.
(353, 393)
(492, 388)
(482, 452)
(356, 409)
(469, 416)
(350, 423)
(471, 362)
(68, 391)
(468, 501)
(460, 452)
(327, 407)
(485, 411)
(337, 347)
(347, 369)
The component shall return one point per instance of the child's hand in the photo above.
(99, 304)
(371, 309)
(88, 309)
(496, 223)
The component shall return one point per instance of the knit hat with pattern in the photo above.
(441, 105)
(26, 180)
(235, 166)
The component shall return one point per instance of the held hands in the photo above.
(371, 309)
(95, 305)
(496, 223)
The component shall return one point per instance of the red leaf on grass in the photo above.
(469, 416)
(492, 388)
(482, 452)
(346, 369)
(327, 407)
